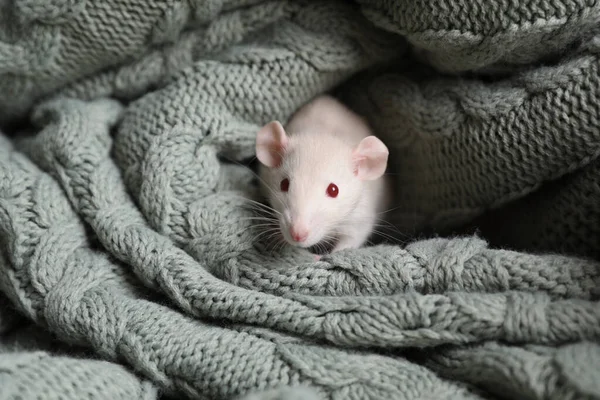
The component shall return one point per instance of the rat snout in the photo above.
(298, 229)
(299, 232)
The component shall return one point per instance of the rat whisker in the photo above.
(278, 243)
(320, 248)
(260, 206)
(251, 201)
(379, 232)
(394, 229)
(274, 231)
(385, 221)
(281, 244)
(266, 225)
(274, 228)
(272, 243)
(379, 222)
(328, 242)
(260, 216)
(269, 240)
(389, 210)
(265, 233)
(253, 173)
(262, 232)
(242, 231)
(257, 238)
(386, 236)
(263, 223)
(267, 219)
(260, 211)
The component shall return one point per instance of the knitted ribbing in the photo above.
(125, 230)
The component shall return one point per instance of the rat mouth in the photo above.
(324, 246)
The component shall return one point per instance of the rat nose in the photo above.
(299, 234)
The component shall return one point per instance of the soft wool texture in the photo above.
(131, 267)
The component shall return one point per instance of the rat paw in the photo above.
(317, 257)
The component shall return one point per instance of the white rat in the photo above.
(324, 175)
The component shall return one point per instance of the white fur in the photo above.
(320, 148)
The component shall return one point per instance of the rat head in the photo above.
(316, 180)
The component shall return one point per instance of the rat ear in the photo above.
(370, 158)
(271, 142)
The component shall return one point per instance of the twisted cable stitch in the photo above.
(67, 378)
(153, 69)
(428, 266)
(130, 233)
(52, 12)
(286, 73)
(40, 53)
(65, 51)
(478, 36)
(349, 321)
(528, 373)
(34, 365)
(495, 160)
(92, 302)
(476, 16)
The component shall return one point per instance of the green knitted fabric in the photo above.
(129, 263)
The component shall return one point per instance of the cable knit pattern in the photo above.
(84, 298)
(129, 263)
(505, 138)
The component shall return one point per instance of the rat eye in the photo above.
(332, 190)
(284, 185)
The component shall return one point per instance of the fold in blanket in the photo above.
(129, 263)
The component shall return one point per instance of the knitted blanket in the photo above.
(130, 263)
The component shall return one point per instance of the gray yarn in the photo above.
(86, 299)
(124, 233)
(39, 375)
(527, 368)
(291, 393)
(33, 365)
